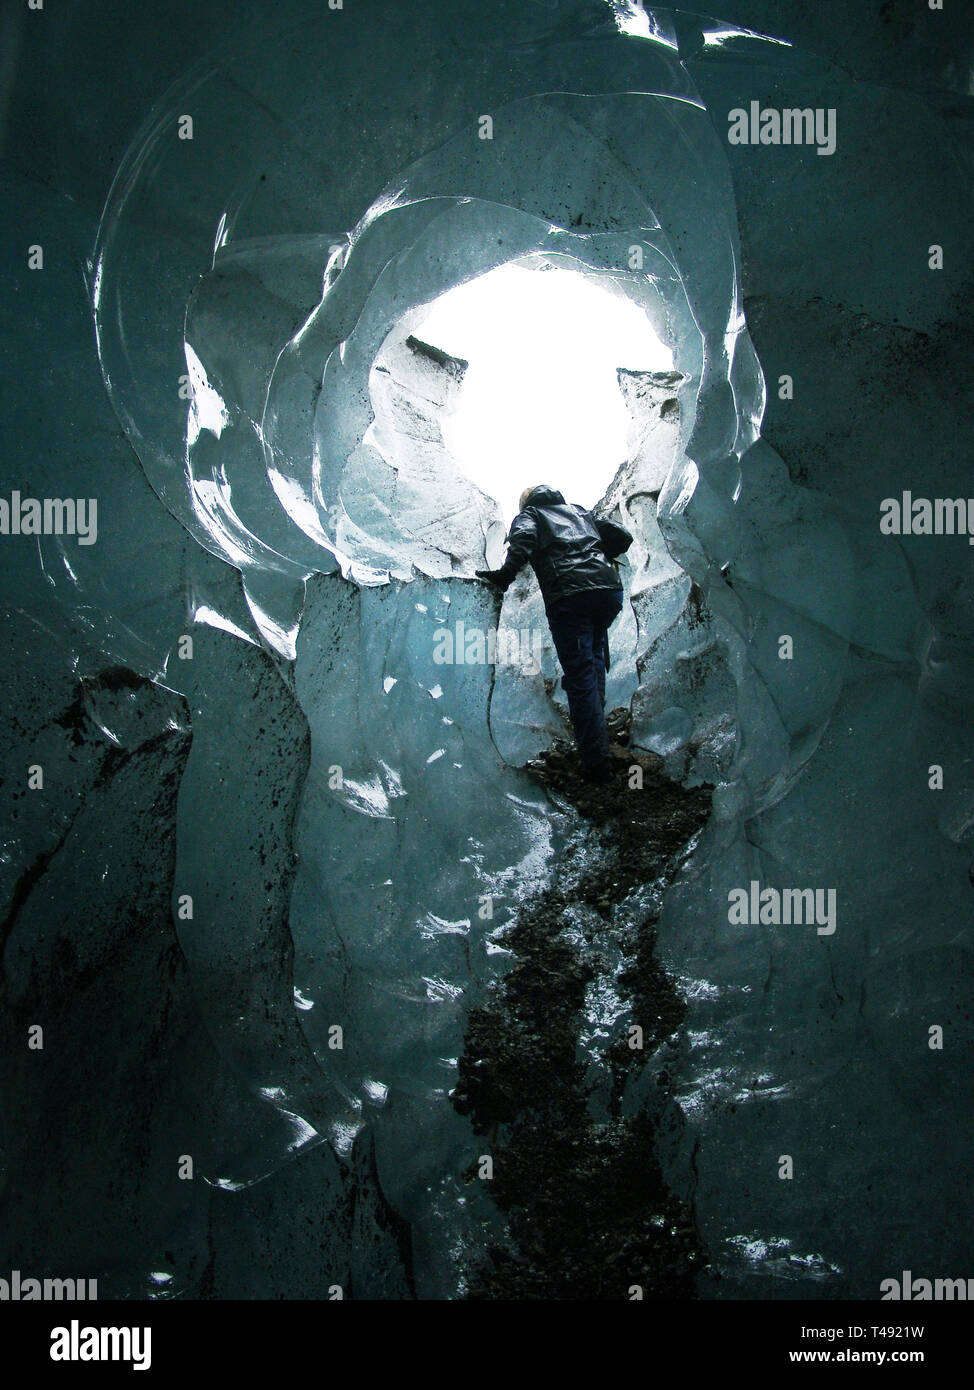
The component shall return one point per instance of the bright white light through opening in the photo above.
(540, 401)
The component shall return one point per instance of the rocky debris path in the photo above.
(549, 1053)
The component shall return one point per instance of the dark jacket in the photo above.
(568, 548)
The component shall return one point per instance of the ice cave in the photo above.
(308, 983)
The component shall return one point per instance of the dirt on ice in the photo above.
(587, 1210)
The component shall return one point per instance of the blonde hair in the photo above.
(527, 493)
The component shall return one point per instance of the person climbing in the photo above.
(572, 552)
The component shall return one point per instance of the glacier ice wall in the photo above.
(252, 291)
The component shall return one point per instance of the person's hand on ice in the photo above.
(500, 579)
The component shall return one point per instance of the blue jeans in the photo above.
(580, 628)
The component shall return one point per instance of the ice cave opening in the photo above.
(540, 398)
(516, 377)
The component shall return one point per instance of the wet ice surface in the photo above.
(311, 459)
